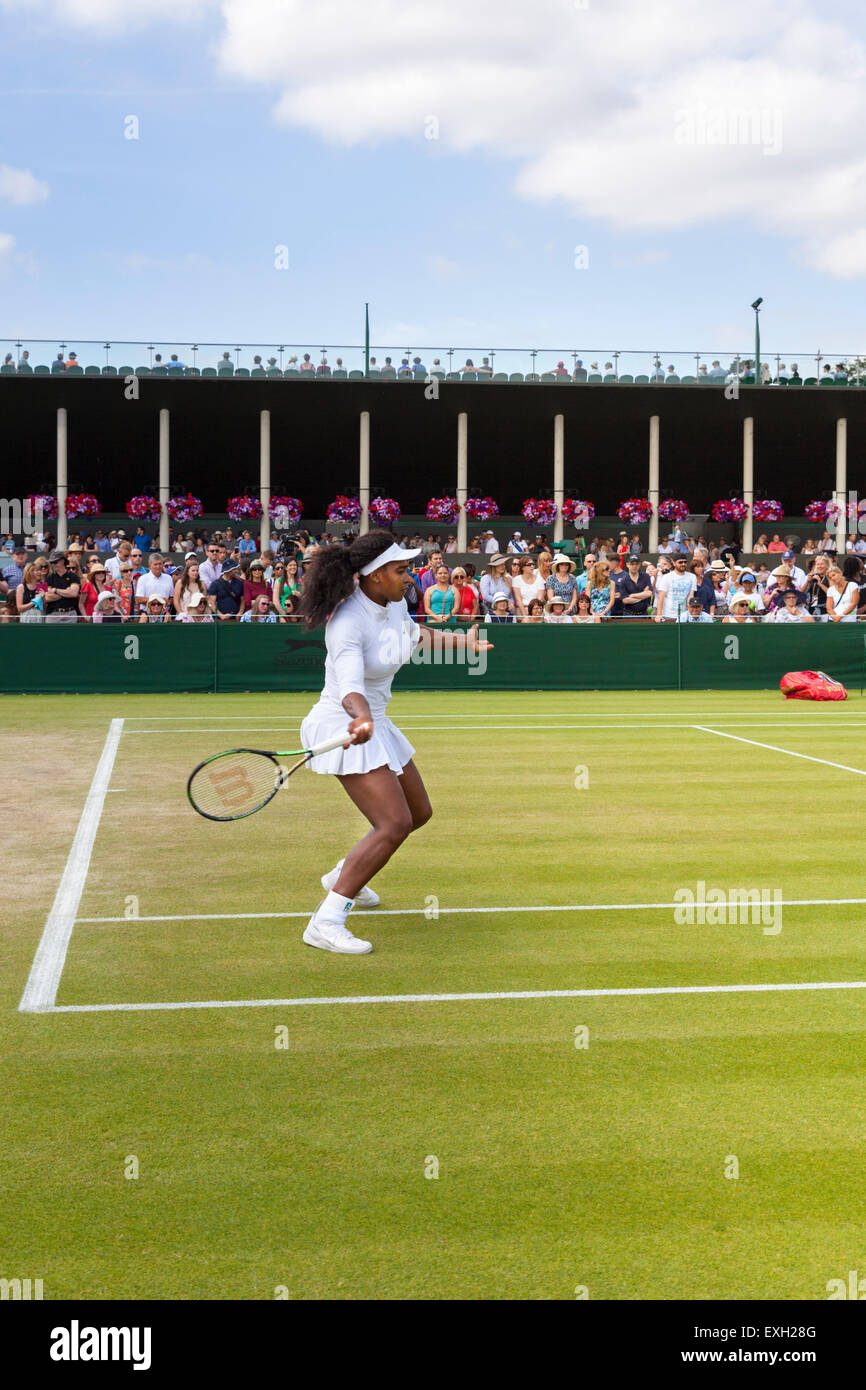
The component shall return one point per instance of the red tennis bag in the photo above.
(811, 685)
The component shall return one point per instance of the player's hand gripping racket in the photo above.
(234, 784)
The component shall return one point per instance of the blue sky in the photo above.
(265, 123)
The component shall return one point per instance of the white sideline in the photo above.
(408, 726)
(452, 998)
(494, 714)
(861, 772)
(40, 991)
(451, 911)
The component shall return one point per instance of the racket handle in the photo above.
(329, 744)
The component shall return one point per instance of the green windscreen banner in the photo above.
(91, 658)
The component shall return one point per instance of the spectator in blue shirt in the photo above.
(695, 613)
(246, 544)
(142, 540)
(174, 364)
(13, 574)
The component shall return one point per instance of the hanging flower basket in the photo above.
(344, 509)
(635, 510)
(384, 511)
(144, 508)
(184, 508)
(481, 508)
(444, 509)
(540, 511)
(285, 511)
(673, 509)
(244, 508)
(577, 512)
(44, 502)
(767, 510)
(817, 511)
(82, 504)
(730, 509)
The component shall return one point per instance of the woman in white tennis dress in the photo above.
(369, 635)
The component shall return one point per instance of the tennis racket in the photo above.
(235, 784)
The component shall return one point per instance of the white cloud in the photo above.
(626, 112)
(109, 17)
(12, 260)
(20, 186)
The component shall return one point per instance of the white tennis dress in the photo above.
(367, 643)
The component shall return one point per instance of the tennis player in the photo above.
(369, 635)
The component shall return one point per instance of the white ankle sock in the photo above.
(335, 908)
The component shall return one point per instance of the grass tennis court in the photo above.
(305, 1167)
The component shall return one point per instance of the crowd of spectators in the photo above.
(223, 577)
(411, 366)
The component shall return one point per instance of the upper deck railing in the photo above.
(82, 357)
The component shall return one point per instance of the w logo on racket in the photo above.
(232, 785)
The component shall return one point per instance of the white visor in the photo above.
(394, 552)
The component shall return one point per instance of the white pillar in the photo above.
(841, 494)
(62, 438)
(558, 474)
(164, 487)
(364, 474)
(748, 479)
(462, 479)
(653, 492)
(265, 478)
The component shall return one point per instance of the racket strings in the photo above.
(237, 783)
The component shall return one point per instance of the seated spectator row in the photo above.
(221, 584)
(413, 368)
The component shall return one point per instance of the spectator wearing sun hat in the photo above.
(493, 579)
(746, 587)
(555, 610)
(561, 582)
(791, 610)
(154, 610)
(96, 583)
(500, 608)
(775, 592)
(739, 612)
(197, 610)
(108, 608)
(517, 546)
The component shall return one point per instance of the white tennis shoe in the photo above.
(333, 936)
(366, 897)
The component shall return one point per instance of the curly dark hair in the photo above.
(330, 575)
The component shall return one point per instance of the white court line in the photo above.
(406, 724)
(40, 991)
(861, 772)
(454, 998)
(494, 714)
(452, 911)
